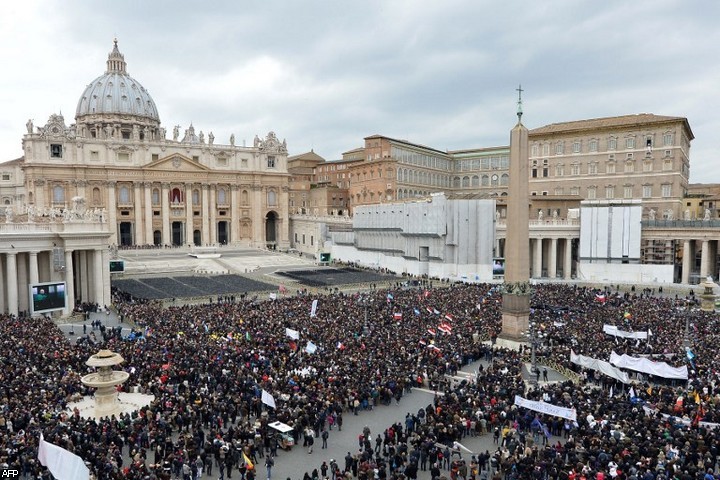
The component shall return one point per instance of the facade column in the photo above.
(705, 259)
(165, 199)
(34, 273)
(552, 258)
(40, 194)
(567, 263)
(69, 282)
(12, 285)
(283, 239)
(188, 214)
(139, 233)
(205, 214)
(147, 186)
(537, 258)
(686, 262)
(258, 227)
(112, 212)
(234, 215)
(213, 214)
(97, 278)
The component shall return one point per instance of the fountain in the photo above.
(707, 296)
(105, 380)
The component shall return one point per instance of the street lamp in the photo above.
(535, 338)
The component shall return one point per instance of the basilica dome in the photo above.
(116, 93)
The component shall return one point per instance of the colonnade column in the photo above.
(164, 199)
(33, 274)
(552, 258)
(205, 214)
(83, 272)
(567, 264)
(188, 214)
(3, 282)
(537, 258)
(105, 278)
(12, 286)
(69, 282)
(213, 214)
(705, 259)
(112, 212)
(686, 262)
(98, 277)
(147, 186)
(234, 225)
(138, 234)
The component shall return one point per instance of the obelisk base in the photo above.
(515, 316)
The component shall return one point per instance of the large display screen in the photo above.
(117, 266)
(47, 297)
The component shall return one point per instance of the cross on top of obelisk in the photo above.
(519, 110)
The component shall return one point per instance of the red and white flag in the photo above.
(445, 327)
(397, 315)
(431, 331)
(449, 317)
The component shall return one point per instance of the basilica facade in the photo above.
(153, 190)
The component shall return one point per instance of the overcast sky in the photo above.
(325, 74)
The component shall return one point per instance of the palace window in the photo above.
(58, 194)
(124, 196)
(612, 143)
(647, 191)
(667, 139)
(156, 196)
(576, 146)
(271, 161)
(221, 196)
(592, 193)
(271, 198)
(610, 192)
(666, 190)
(593, 145)
(630, 142)
(196, 197)
(628, 191)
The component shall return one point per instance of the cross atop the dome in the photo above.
(116, 60)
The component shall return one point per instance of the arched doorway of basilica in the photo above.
(126, 234)
(157, 237)
(197, 238)
(271, 230)
(177, 233)
(222, 233)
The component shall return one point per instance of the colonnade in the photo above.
(84, 271)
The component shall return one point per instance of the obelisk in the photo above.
(516, 289)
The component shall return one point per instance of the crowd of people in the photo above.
(207, 366)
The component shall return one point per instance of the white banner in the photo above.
(63, 464)
(614, 331)
(549, 408)
(600, 366)
(294, 334)
(310, 347)
(268, 399)
(313, 310)
(659, 369)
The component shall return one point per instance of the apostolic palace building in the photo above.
(117, 176)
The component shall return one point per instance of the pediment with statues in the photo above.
(271, 144)
(177, 162)
(54, 128)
